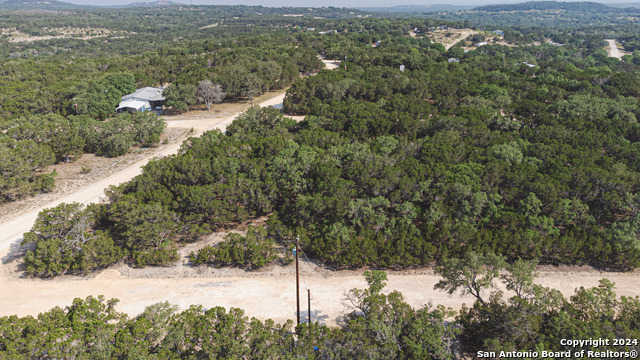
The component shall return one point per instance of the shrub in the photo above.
(63, 240)
(251, 252)
(161, 256)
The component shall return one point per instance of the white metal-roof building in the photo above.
(144, 99)
(133, 106)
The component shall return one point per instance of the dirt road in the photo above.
(11, 231)
(613, 50)
(265, 294)
(12, 227)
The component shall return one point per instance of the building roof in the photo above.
(133, 104)
(146, 94)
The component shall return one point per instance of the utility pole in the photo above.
(297, 282)
(309, 307)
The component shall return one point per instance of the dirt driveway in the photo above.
(450, 37)
(613, 50)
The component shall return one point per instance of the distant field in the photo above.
(15, 36)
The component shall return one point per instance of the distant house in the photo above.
(453, 60)
(499, 32)
(481, 43)
(144, 99)
(529, 65)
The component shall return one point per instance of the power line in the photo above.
(297, 282)
(309, 309)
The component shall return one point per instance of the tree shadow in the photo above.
(316, 317)
(16, 250)
(342, 320)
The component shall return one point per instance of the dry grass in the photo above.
(15, 36)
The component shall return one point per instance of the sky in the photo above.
(321, 3)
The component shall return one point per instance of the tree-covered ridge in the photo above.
(547, 17)
(551, 5)
(141, 29)
(380, 325)
(37, 4)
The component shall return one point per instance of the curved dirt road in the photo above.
(11, 231)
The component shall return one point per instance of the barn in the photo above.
(144, 99)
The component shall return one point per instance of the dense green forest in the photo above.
(57, 106)
(136, 30)
(481, 164)
(381, 325)
(398, 167)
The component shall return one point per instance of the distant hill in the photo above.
(549, 5)
(157, 3)
(625, 5)
(37, 4)
(415, 9)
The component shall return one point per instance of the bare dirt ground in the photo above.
(267, 293)
(330, 64)
(448, 38)
(613, 49)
